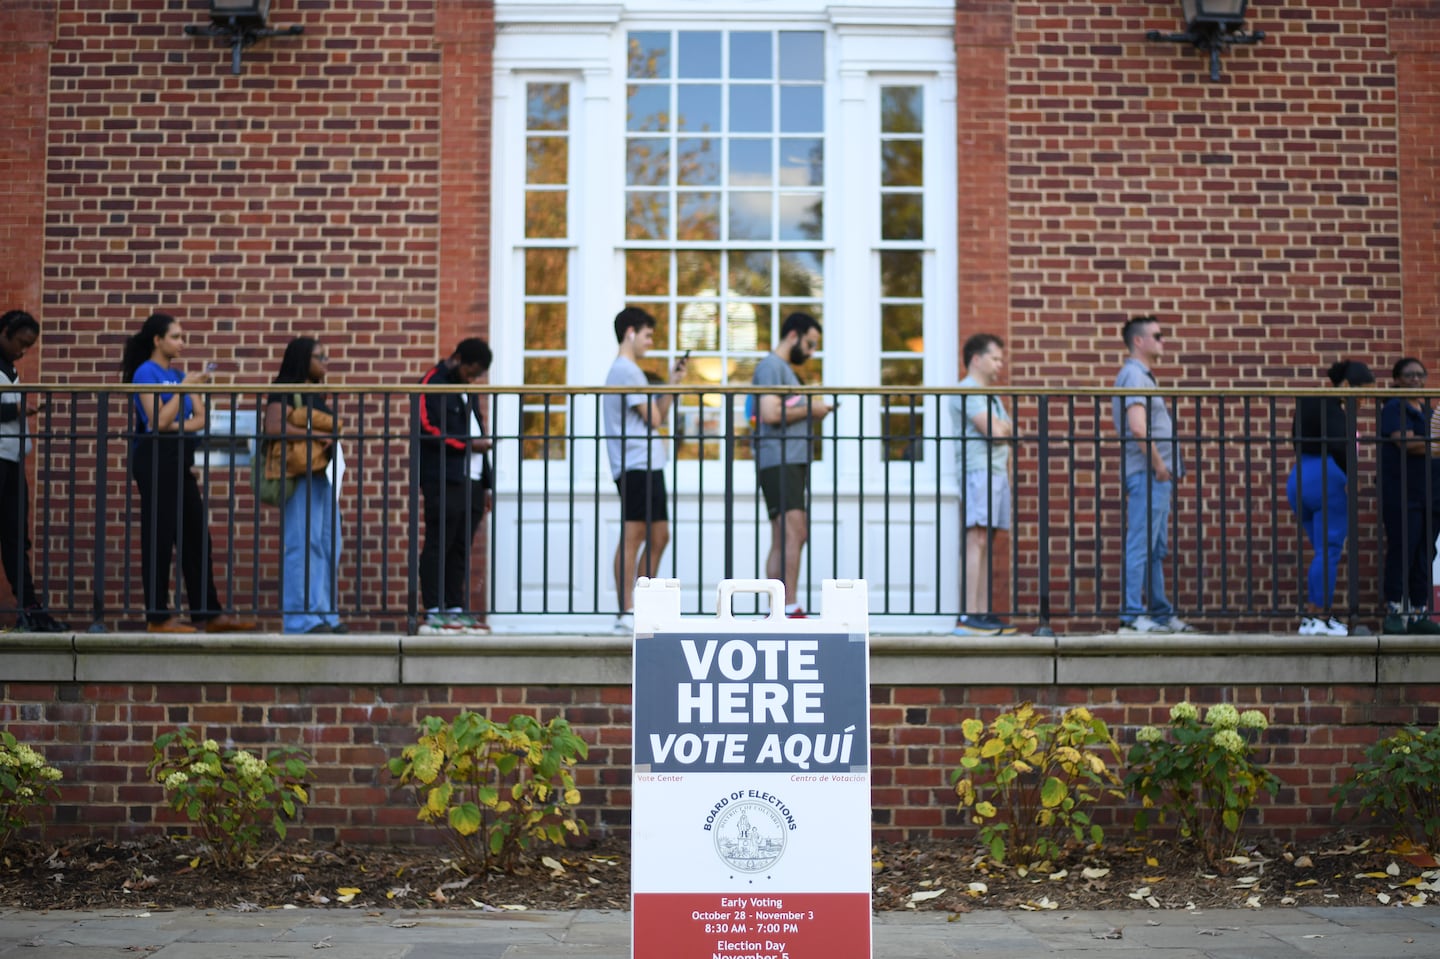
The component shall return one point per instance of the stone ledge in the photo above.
(388, 659)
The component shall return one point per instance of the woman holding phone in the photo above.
(162, 456)
(310, 523)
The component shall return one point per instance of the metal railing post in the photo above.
(1042, 472)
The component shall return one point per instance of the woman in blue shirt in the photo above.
(171, 507)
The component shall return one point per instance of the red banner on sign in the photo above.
(787, 925)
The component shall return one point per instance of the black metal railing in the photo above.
(883, 504)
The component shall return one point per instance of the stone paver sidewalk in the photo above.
(1316, 933)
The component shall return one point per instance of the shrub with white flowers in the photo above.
(232, 795)
(1398, 782)
(26, 784)
(1204, 775)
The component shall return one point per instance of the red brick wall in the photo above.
(302, 198)
(100, 737)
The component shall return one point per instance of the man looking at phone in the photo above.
(783, 433)
(18, 333)
(637, 454)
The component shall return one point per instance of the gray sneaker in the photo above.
(1144, 624)
(1178, 625)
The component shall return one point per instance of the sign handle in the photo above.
(771, 587)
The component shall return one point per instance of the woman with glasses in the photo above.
(310, 521)
(1409, 493)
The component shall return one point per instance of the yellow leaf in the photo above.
(1307, 882)
(1152, 879)
(348, 891)
(1371, 875)
(195, 863)
(1151, 861)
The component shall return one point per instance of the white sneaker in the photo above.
(1144, 624)
(625, 624)
(1335, 628)
(439, 624)
(1310, 626)
(1178, 625)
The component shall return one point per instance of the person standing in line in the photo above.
(638, 454)
(1318, 491)
(982, 465)
(452, 503)
(783, 434)
(1409, 493)
(1151, 464)
(18, 333)
(311, 521)
(162, 458)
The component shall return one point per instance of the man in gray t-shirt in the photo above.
(637, 453)
(1151, 464)
(783, 431)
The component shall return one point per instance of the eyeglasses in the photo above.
(1413, 375)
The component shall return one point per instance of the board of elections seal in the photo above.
(750, 836)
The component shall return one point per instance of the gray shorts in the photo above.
(986, 499)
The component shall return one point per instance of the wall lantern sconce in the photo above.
(240, 23)
(1211, 25)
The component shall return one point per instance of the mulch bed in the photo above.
(161, 873)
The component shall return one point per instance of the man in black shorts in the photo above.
(638, 454)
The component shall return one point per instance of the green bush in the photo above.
(1204, 775)
(1026, 782)
(494, 789)
(1399, 781)
(232, 795)
(26, 784)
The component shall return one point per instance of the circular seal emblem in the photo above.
(750, 836)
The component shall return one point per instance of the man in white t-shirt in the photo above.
(638, 453)
(982, 465)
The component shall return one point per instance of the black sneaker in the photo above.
(39, 621)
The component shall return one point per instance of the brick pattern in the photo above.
(100, 736)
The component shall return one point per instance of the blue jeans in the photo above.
(1316, 490)
(312, 552)
(1147, 539)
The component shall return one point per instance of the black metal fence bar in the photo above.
(884, 502)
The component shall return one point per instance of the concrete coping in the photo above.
(390, 659)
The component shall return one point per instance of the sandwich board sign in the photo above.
(750, 796)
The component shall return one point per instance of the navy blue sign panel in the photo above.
(755, 702)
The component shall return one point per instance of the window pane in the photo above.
(750, 56)
(647, 162)
(902, 110)
(649, 55)
(750, 273)
(802, 217)
(902, 163)
(800, 274)
(750, 163)
(902, 328)
(699, 327)
(802, 162)
(749, 328)
(699, 216)
(545, 371)
(802, 56)
(547, 160)
(698, 107)
(802, 109)
(750, 110)
(895, 372)
(699, 54)
(647, 108)
(698, 162)
(698, 272)
(647, 272)
(750, 216)
(547, 106)
(545, 326)
(902, 274)
(902, 216)
(545, 214)
(543, 436)
(545, 272)
(647, 216)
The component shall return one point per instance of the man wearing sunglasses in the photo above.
(1152, 464)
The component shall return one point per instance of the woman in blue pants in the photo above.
(1317, 490)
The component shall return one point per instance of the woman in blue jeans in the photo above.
(310, 523)
(1317, 490)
